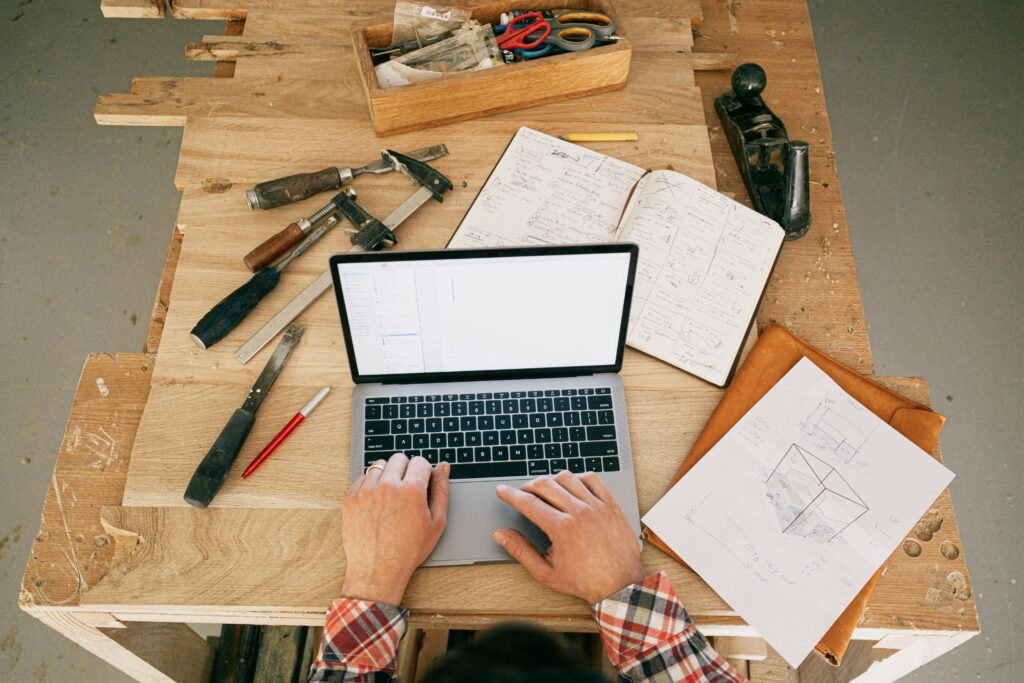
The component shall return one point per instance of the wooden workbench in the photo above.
(118, 568)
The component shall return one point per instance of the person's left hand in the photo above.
(391, 522)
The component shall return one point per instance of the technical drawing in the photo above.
(828, 432)
(810, 498)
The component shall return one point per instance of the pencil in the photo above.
(624, 136)
(285, 431)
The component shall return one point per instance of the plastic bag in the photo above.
(417, 21)
(471, 47)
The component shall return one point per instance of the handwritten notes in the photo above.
(704, 258)
(548, 191)
(704, 262)
(794, 509)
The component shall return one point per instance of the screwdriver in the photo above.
(293, 188)
(232, 309)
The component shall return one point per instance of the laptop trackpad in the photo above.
(474, 513)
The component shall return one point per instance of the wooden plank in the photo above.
(173, 649)
(336, 93)
(164, 576)
(233, 9)
(931, 587)
(219, 230)
(272, 561)
(738, 647)
(160, 653)
(280, 656)
(72, 550)
(814, 289)
(774, 669)
(216, 165)
(155, 328)
(433, 646)
(168, 450)
(133, 9)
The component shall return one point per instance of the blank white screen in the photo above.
(475, 314)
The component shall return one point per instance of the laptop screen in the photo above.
(474, 314)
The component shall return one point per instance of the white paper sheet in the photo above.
(793, 510)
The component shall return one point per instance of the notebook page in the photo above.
(704, 263)
(548, 191)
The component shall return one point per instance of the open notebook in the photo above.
(704, 258)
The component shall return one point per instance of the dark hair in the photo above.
(512, 653)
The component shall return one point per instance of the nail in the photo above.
(498, 537)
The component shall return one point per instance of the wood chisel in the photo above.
(232, 309)
(433, 185)
(213, 470)
(293, 188)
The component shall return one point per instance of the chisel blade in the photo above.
(422, 154)
(272, 369)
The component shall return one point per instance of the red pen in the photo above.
(288, 429)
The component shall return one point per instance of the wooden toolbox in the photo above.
(472, 94)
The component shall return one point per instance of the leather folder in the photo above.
(775, 354)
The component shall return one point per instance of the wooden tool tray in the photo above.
(472, 94)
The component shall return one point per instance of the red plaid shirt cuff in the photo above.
(648, 636)
(360, 637)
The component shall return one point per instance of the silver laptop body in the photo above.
(428, 359)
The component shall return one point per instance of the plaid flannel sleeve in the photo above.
(360, 642)
(648, 636)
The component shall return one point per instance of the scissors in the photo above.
(533, 35)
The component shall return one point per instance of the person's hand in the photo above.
(593, 552)
(391, 522)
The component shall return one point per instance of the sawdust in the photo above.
(929, 525)
(216, 185)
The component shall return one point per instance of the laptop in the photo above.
(502, 362)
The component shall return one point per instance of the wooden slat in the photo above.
(72, 550)
(231, 9)
(814, 290)
(155, 329)
(271, 561)
(168, 450)
(660, 90)
(133, 9)
(919, 590)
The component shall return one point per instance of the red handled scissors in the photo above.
(525, 32)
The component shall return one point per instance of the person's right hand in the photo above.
(593, 553)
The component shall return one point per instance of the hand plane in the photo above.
(774, 168)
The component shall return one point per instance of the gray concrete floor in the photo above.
(925, 104)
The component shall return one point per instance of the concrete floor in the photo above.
(925, 123)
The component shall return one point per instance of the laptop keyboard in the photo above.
(497, 434)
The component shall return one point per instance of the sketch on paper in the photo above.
(830, 433)
(779, 525)
(810, 498)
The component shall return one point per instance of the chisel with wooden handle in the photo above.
(232, 309)
(274, 247)
(293, 188)
(214, 468)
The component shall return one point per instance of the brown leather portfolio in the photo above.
(775, 354)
